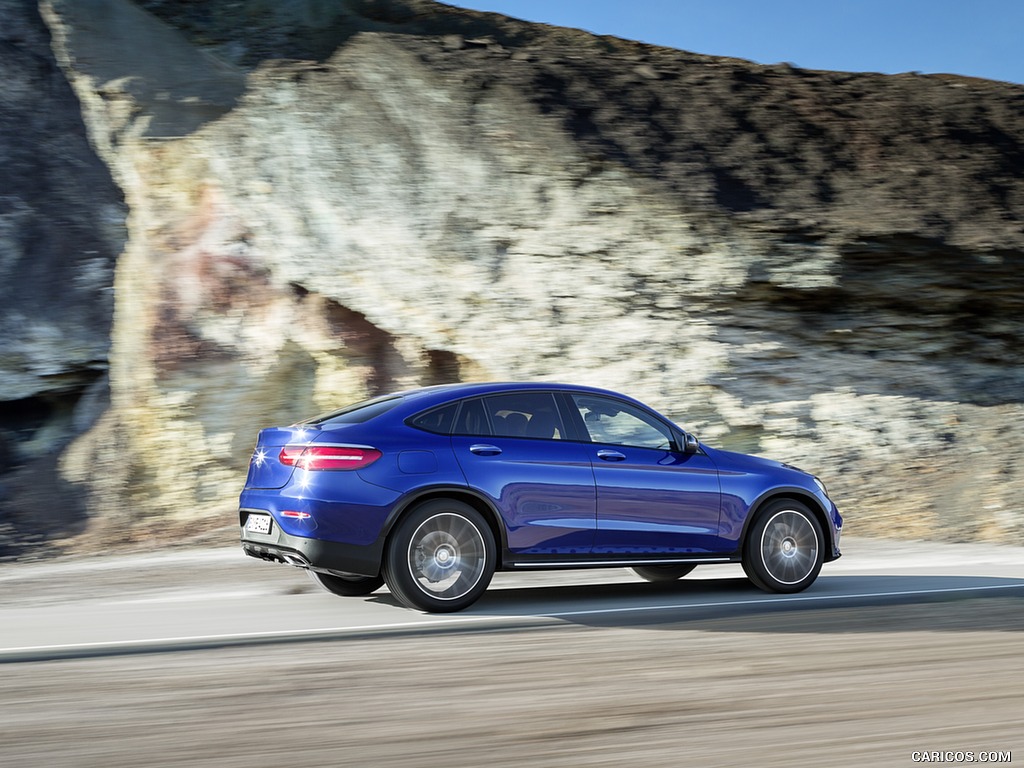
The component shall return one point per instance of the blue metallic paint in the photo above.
(656, 502)
(750, 481)
(542, 489)
(548, 498)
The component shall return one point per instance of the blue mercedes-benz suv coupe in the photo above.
(433, 490)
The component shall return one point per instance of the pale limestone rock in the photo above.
(325, 231)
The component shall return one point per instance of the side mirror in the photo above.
(690, 443)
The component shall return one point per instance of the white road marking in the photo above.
(792, 599)
(167, 644)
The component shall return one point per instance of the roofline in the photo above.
(468, 389)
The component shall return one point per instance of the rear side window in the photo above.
(525, 414)
(439, 420)
(356, 413)
(471, 419)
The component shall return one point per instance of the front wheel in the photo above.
(783, 551)
(660, 574)
(349, 585)
(440, 558)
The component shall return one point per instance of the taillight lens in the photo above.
(333, 457)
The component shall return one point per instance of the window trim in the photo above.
(575, 427)
(562, 408)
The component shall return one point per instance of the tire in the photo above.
(784, 549)
(440, 558)
(661, 574)
(347, 586)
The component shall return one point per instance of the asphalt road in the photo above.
(206, 657)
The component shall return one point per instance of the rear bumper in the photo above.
(315, 554)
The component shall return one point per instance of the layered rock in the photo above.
(61, 228)
(820, 267)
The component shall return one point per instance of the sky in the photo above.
(979, 38)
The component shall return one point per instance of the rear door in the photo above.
(652, 499)
(512, 448)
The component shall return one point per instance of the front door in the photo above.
(652, 499)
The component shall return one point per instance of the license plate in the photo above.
(258, 524)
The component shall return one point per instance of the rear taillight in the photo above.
(335, 457)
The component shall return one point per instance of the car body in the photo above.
(432, 490)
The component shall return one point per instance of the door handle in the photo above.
(483, 449)
(611, 455)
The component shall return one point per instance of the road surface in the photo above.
(205, 657)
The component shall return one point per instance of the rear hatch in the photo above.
(265, 467)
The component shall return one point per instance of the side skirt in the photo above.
(517, 565)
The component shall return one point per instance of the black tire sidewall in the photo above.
(753, 561)
(398, 576)
(352, 586)
(661, 574)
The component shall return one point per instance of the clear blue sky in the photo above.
(981, 38)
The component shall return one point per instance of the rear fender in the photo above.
(460, 493)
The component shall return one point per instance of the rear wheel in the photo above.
(349, 585)
(660, 574)
(783, 551)
(441, 557)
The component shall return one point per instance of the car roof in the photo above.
(436, 395)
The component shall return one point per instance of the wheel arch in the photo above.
(457, 493)
(795, 494)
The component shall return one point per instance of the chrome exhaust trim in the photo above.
(273, 555)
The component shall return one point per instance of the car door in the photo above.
(512, 448)
(652, 498)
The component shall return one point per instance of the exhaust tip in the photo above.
(276, 556)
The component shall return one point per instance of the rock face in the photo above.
(330, 203)
(61, 228)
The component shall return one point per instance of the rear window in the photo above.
(356, 413)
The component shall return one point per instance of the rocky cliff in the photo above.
(328, 200)
(61, 229)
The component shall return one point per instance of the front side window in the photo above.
(617, 423)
